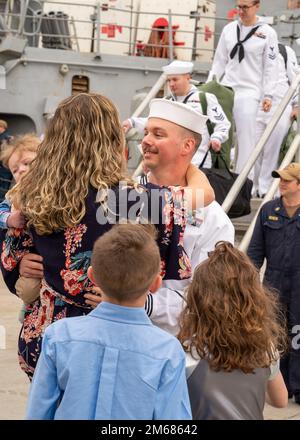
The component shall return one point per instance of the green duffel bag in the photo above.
(225, 96)
(287, 141)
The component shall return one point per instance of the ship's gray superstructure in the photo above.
(41, 60)
(34, 78)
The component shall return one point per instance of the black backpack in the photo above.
(283, 53)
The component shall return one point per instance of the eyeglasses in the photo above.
(245, 8)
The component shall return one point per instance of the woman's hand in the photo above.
(31, 266)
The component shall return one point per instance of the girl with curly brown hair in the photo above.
(231, 330)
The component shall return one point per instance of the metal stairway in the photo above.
(241, 224)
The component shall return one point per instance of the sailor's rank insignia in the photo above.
(260, 35)
(272, 54)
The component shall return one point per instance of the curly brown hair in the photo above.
(83, 146)
(230, 318)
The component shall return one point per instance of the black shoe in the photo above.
(297, 398)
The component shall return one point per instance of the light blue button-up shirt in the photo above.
(111, 364)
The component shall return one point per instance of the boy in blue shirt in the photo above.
(113, 363)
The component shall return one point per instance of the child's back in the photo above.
(234, 395)
(116, 362)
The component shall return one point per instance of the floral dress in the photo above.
(67, 255)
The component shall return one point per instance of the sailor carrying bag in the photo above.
(222, 180)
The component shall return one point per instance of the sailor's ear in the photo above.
(189, 145)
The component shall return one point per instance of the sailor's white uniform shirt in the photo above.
(256, 75)
(287, 75)
(164, 307)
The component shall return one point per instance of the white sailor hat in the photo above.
(178, 113)
(178, 68)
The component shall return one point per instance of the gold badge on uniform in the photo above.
(277, 209)
(273, 218)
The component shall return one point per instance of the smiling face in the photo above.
(289, 188)
(162, 143)
(19, 163)
(168, 150)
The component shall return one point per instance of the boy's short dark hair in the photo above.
(126, 260)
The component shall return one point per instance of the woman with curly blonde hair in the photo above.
(231, 330)
(73, 192)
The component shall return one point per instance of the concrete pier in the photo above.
(14, 384)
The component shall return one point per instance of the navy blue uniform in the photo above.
(5, 174)
(276, 237)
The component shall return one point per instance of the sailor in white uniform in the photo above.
(246, 59)
(162, 147)
(181, 90)
(268, 159)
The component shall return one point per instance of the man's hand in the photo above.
(16, 220)
(294, 113)
(126, 125)
(216, 145)
(267, 105)
(31, 266)
(93, 299)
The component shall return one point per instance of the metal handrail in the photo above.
(152, 93)
(24, 7)
(97, 6)
(236, 187)
(243, 246)
(37, 31)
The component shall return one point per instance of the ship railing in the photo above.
(293, 151)
(134, 47)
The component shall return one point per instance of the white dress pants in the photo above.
(268, 159)
(245, 111)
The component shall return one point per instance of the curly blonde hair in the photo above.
(231, 319)
(83, 146)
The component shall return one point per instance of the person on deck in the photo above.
(181, 90)
(276, 238)
(246, 60)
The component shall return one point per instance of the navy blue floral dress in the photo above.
(67, 254)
